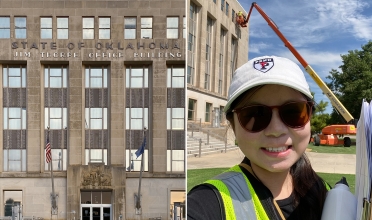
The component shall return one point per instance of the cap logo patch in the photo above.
(263, 65)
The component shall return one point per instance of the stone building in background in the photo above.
(96, 73)
(216, 47)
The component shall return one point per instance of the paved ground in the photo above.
(321, 162)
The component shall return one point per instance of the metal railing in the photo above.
(197, 126)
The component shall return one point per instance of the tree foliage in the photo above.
(353, 83)
(319, 119)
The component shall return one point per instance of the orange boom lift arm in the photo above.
(334, 101)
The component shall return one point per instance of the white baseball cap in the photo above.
(267, 70)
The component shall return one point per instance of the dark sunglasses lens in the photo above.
(255, 118)
(295, 114)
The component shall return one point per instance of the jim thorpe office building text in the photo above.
(96, 73)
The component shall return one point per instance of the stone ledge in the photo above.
(33, 175)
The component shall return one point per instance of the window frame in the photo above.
(97, 155)
(46, 28)
(128, 28)
(5, 28)
(20, 28)
(62, 28)
(89, 28)
(171, 27)
(102, 28)
(143, 27)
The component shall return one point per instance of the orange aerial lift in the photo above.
(329, 134)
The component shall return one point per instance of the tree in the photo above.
(319, 119)
(353, 83)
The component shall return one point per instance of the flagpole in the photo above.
(138, 202)
(53, 196)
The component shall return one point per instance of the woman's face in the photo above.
(277, 147)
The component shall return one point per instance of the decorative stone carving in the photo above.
(96, 175)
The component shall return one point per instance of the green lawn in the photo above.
(198, 176)
(332, 149)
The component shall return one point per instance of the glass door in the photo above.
(95, 205)
(94, 212)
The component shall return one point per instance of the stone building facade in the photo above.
(97, 80)
(216, 47)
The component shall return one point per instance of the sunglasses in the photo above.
(255, 118)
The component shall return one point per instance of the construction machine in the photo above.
(330, 134)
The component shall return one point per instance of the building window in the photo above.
(208, 109)
(208, 53)
(14, 118)
(222, 115)
(56, 115)
(184, 33)
(4, 27)
(104, 28)
(234, 55)
(96, 197)
(62, 28)
(177, 200)
(191, 44)
(20, 27)
(12, 202)
(146, 28)
(88, 28)
(175, 119)
(137, 78)
(96, 114)
(191, 110)
(172, 27)
(233, 16)
(215, 1)
(238, 33)
(176, 77)
(137, 116)
(227, 9)
(46, 28)
(222, 5)
(130, 28)
(221, 62)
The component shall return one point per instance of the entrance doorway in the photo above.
(95, 205)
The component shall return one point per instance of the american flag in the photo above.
(48, 151)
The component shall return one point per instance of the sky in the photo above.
(320, 30)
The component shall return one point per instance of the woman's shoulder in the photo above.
(203, 202)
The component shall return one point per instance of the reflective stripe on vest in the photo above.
(238, 196)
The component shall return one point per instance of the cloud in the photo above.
(311, 22)
(321, 61)
(258, 47)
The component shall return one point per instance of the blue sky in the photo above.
(320, 30)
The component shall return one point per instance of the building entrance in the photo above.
(95, 212)
(95, 205)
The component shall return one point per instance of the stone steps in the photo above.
(213, 146)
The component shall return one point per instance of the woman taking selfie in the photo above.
(269, 108)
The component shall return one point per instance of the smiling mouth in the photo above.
(277, 149)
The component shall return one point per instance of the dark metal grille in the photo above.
(137, 98)
(55, 139)
(96, 98)
(134, 139)
(55, 97)
(96, 139)
(176, 140)
(14, 97)
(175, 98)
(14, 139)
